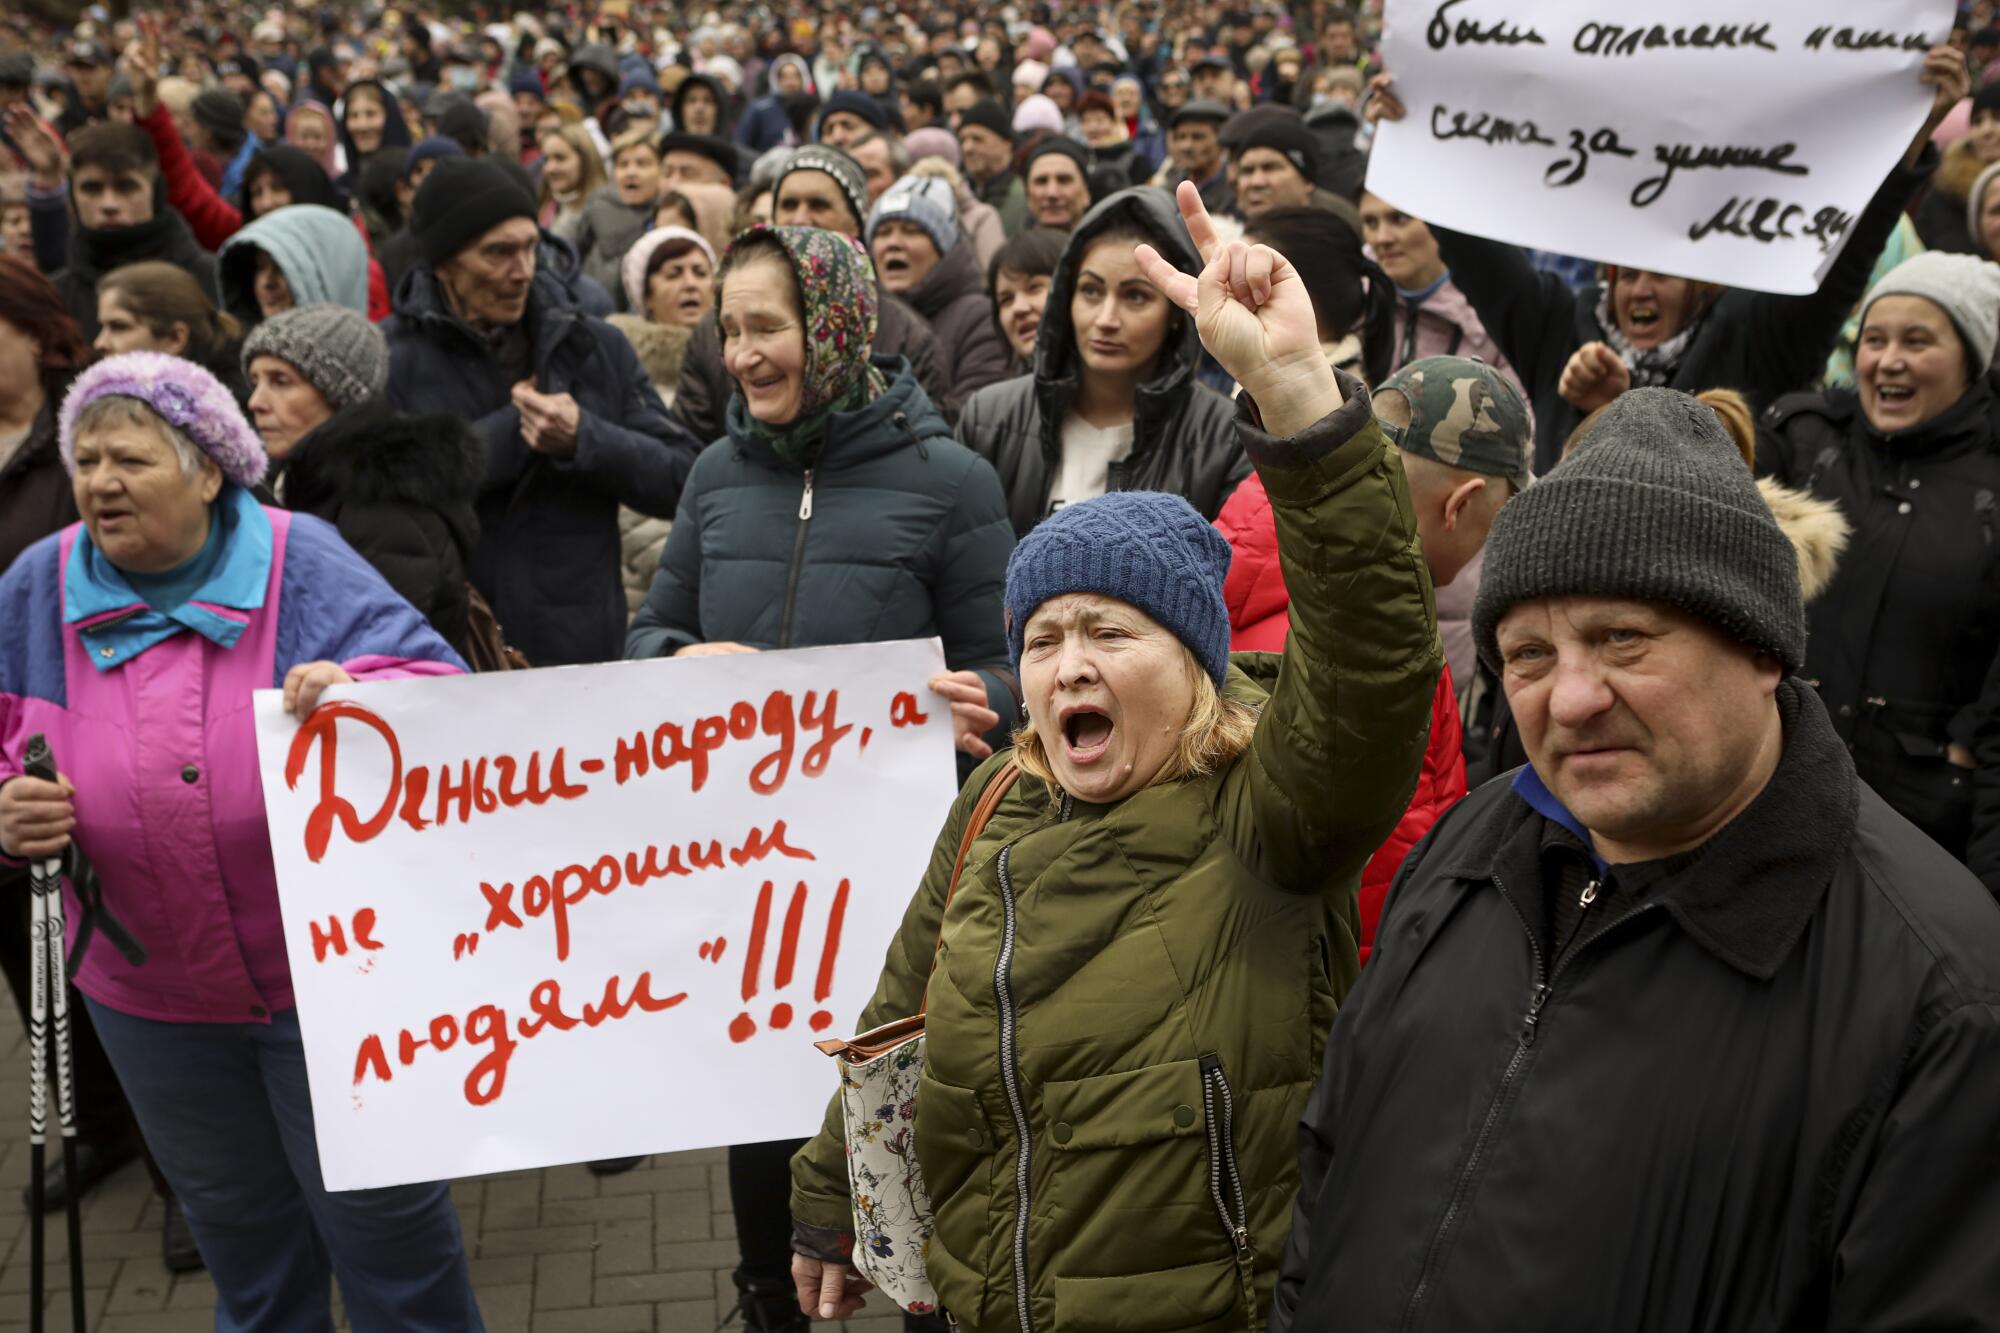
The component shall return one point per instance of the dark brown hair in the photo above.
(114, 148)
(161, 295)
(31, 303)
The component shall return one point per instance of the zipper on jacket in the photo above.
(798, 563)
(1222, 1155)
(1538, 998)
(1010, 1074)
(1583, 902)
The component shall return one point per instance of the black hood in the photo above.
(301, 173)
(725, 118)
(1153, 212)
(395, 130)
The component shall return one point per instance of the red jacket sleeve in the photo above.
(378, 285)
(210, 217)
(1440, 785)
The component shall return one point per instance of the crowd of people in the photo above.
(1463, 750)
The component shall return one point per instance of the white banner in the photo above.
(1720, 140)
(553, 916)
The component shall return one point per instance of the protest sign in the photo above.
(553, 916)
(1714, 140)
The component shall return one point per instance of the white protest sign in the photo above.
(1719, 140)
(553, 916)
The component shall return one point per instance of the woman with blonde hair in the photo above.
(1131, 983)
(572, 171)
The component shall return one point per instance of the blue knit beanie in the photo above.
(1143, 547)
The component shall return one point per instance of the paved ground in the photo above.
(554, 1251)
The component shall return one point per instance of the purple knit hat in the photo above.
(180, 393)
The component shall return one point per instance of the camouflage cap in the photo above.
(1463, 414)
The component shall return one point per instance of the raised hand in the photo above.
(1382, 102)
(41, 147)
(1946, 73)
(1253, 314)
(141, 63)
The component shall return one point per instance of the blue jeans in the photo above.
(224, 1108)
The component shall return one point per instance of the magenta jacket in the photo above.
(149, 716)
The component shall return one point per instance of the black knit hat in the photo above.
(988, 114)
(1654, 504)
(1284, 134)
(220, 112)
(461, 200)
(1069, 148)
(713, 147)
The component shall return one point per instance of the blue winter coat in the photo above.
(548, 554)
(908, 536)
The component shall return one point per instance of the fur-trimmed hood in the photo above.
(372, 454)
(1816, 528)
(660, 348)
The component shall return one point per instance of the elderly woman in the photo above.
(1130, 987)
(1901, 640)
(136, 637)
(398, 488)
(841, 511)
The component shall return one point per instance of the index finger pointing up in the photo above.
(1201, 228)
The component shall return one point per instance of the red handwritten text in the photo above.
(488, 1026)
(555, 894)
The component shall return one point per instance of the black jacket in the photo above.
(94, 253)
(908, 537)
(952, 300)
(548, 554)
(35, 494)
(1900, 642)
(1762, 345)
(1761, 1098)
(1184, 436)
(400, 490)
(701, 400)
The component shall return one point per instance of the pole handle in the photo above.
(39, 761)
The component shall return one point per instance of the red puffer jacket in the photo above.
(1258, 621)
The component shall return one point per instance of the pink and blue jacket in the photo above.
(149, 715)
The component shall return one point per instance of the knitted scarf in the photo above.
(1652, 367)
(836, 290)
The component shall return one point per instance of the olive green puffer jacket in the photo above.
(1130, 1000)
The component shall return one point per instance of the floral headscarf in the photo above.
(836, 284)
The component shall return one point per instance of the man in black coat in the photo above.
(571, 424)
(119, 217)
(1682, 1027)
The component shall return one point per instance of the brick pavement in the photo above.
(553, 1251)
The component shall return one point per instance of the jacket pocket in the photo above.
(1908, 768)
(1199, 1298)
(955, 1148)
(1139, 1162)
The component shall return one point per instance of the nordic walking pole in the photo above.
(51, 1008)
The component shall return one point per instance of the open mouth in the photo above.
(690, 305)
(1894, 393)
(894, 263)
(111, 518)
(1086, 733)
(762, 386)
(1644, 317)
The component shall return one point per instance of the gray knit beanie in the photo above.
(1654, 504)
(337, 350)
(1964, 287)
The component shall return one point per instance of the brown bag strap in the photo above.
(989, 801)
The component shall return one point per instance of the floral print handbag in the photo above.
(879, 1071)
